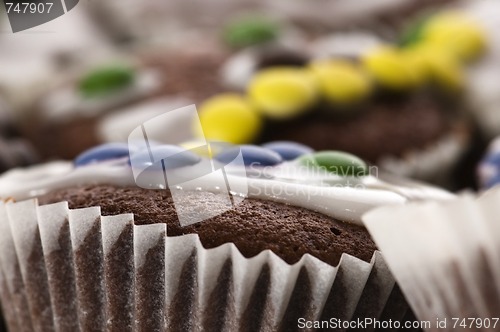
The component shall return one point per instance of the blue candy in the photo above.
(288, 150)
(252, 155)
(101, 153)
(492, 181)
(492, 159)
(172, 156)
(488, 170)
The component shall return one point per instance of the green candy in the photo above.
(339, 163)
(104, 81)
(412, 34)
(250, 31)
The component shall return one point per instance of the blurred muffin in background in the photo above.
(103, 100)
(400, 107)
(41, 57)
(15, 151)
(168, 22)
(66, 120)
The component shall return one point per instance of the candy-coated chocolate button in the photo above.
(288, 150)
(252, 155)
(439, 66)
(488, 170)
(104, 81)
(418, 62)
(229, 118)
(412, 33)
(283, 92)
(492, 182)
(456, 32)
(446, 71)
(337, 162)
(390, 68)
(170, 156)
(492, 159)
(102, 152)
(341, 82)
(250, 31)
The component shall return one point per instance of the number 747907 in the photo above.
(29, 7)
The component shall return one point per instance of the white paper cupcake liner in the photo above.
(445, 257)
(75, 270)
(434, 163)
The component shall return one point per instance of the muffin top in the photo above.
(253, 226)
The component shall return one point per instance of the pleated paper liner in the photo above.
(446, 258)
(434, 163)
(75, 270)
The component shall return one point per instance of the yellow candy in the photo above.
(439, 66)
(419, 64)
(391, 69)
(446, 70)
(341, 82)
(229, 118)
(283, 92)
(457, 32)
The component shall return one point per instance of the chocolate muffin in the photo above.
(253, 226)
(400, 107)
(192, 73)
(262, 261)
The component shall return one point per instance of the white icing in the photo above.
(335, 199)
(349, 44)
(239, 69)
(117, 126)
(66, 103)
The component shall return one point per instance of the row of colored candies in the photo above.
(270, 154)
(434, 53)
